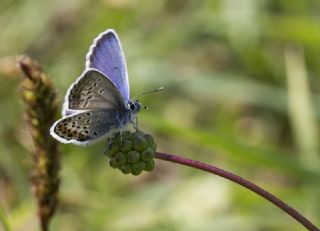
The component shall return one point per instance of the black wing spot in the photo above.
(101, 91)
(72, 97)
(81, 138)
(85, 103)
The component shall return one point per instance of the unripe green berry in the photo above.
(148, 138)
(126, 168)
(154, 146)
(133, 156)
(121, 135)
(147, 154)
(149, 165)
(139, 142)
(112, 149)
(113, 163)
(150, 141)
(126, 146)
(138, 167)
(126, 135)
(119, 158)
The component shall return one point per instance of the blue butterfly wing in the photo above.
(106, 55)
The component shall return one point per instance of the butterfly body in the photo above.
(98, 101)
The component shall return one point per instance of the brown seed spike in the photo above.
(45, 177)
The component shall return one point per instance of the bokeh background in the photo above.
(242, 92)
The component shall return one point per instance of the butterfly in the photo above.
(98, 101)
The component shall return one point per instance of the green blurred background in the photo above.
(242, 92)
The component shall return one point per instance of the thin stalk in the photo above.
(239, 180)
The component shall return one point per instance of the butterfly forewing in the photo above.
(93, 90)
(86, 126)
(106, 55)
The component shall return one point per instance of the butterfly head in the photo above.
(134, 106)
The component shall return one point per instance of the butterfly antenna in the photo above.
(148, 92)
(145, 93)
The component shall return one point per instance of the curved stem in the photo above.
(239, 180)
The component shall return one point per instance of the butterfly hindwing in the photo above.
(83, 128)
(106, 55)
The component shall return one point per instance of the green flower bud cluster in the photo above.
(131, 152)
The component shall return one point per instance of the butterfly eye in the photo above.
(132, 106)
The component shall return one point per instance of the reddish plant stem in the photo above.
(239, 180)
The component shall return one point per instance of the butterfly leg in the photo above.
(110, 138)
(109, 144)
(120, 132)
(113, 137)
(134, 122)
